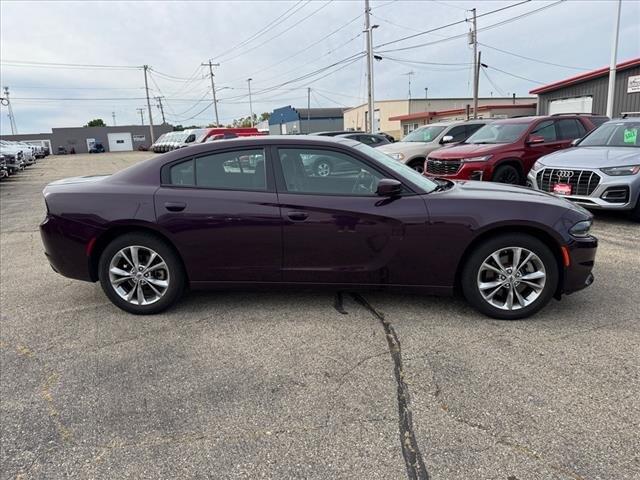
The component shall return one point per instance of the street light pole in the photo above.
(250, 104)
(612, 67)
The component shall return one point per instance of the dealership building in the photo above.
(114, 139)
(587, 92)
(292, 121)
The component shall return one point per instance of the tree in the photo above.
(96, 122)
(264, 116)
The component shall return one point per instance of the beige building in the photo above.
(356, 118)
(410, 122)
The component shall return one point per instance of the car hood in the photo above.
(473, 190)
(593, 157)
(466, 150)
(409, 148)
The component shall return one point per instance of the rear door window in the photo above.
(570, 129)
(458, 133)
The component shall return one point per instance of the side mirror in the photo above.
(575, 142)
(533, 139)
(447, 139)
(388, 187)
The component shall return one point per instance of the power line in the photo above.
(496, 88)
(514, 75)
(462, 35)
(28, 63)
(265, 41)
(259, 32)
(533, 59)
(419, 34)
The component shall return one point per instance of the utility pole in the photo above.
(113, 115)
(12, 119)
(476, 82)
(213, 88)
(146, 87)
(250, 104)
(473, 39)
(159, 105)
(370, 97)
(612, 67)
(141, 112)
(308, 109)
(426, 93)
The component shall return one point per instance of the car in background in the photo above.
(505, 150)
(373, 140)
(335, 133)
(601, 171)
(97, 148)
(414, 148)
(4, 171)
(200, 220)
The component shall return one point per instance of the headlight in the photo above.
(581, 229)
(618, 171)
(537, 166)
(476, 159)
(397, 156)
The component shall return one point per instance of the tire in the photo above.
(507, 174)
(417, 165)
(322, 168)
(119, 254)
(528, 300)
(635, 213)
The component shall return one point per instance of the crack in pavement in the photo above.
(416, 469)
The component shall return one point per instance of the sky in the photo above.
(285, 47)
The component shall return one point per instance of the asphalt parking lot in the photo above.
(309, 385)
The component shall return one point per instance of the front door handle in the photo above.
(175, 206)
(298, 216)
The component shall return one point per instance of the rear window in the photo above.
(239, 170)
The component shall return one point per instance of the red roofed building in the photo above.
(587, 92)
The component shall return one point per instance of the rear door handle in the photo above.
(175, 206)
(298, 216)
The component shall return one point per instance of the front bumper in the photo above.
(582, 254)
(604, 196)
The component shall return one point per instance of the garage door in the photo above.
(571, 105)
(120, 142)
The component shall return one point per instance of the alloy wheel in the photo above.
(323, 169)
(511, 278)
(139, 275)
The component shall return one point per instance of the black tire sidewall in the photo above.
(502, 168)
(176, 271)
(482, 251)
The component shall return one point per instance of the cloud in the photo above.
(175, 37)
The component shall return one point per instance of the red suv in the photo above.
(505, 150)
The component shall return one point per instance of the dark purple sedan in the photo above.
(250, 212)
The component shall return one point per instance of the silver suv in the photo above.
(602, 171)
(414, 148)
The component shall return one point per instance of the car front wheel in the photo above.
(507, 174)
(322, 168)
(418, 165)
(510, 276)
(141, 274)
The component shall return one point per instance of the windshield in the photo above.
(398, 167)
(614, 134)
(424, 134)
(498, 133)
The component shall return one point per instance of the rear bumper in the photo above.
(582, 254)
(65, 246)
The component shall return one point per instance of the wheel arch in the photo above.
(514, 162)
(535, 231)
(117, 230)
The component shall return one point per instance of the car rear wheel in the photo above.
(507, 174)
(418, 165)
(510, 276)
(141, 274)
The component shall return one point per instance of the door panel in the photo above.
(223, 235)
(353, 239)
